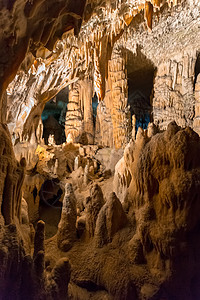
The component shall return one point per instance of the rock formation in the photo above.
(121, 195)
(12, 175)
(197, 111)
(94, 204)
(110, 220)
(66, 234)
(73, 63)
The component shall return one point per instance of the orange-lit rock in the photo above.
(116, 74)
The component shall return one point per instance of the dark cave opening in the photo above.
(35, 191)
(50, 206)
(95, 103)
(53, 117)
(196, 69)
(140, 85)
(140, 74)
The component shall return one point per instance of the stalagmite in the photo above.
(39, 238)
(86, 173)
(66, 234)
(39, 254)
(61, 275)
(76, 163)
(111, 219)
(133, 127)
(93, 206)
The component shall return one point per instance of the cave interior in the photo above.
(99, 151)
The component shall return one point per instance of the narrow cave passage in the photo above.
(53, 117)
(50, 206)
(140, 85)
(95, 103)
(140, 73)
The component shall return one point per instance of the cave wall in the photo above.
(173, 91)
(173, 49)
(12, 175)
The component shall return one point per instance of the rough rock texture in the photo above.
(173, 91)
(173, 49)
(109, 157)
(197, 106)
(113, 120)
(12, 175)
(21, 276)
(142, 247)
(169, 188)
(163, 195)
(93, 205)
(31, 188)
(122, 178)
(66, 234)
(73, 124)
(39, 239)
(110, 220)
(28, 25)
(89, 62)
(79, 118)
(60, 277)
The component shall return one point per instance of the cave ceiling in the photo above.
(45, 50)
(27, 26)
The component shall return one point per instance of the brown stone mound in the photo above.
(164, 198)
(110, 220)
(152, 251)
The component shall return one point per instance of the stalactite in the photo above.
(148, 14)
(97, 77)
(83, 55)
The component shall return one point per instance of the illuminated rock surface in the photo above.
(99, 151)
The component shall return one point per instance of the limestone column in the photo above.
(119, 93)
(196, 124)
(74, 115)
(86, 94)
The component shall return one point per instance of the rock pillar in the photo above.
(119, 92)
(87, 91)
(74, 116)
(196, 123)
(113, 116)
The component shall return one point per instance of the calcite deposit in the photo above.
(66, 234)
(99, 149)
